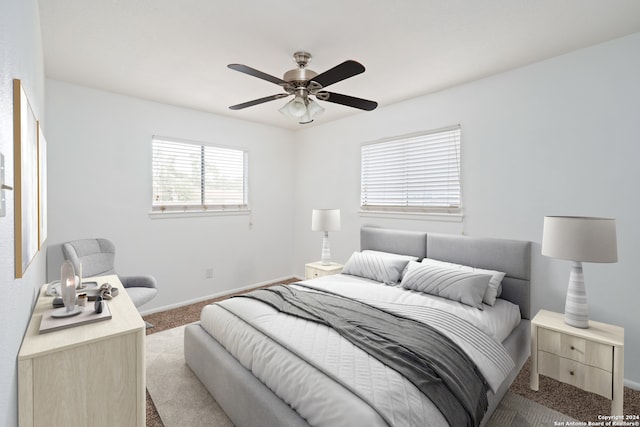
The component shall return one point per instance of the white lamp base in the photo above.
(326, 252)
(576, 309)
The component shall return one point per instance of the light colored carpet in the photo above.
(516, 411)
(181, 400)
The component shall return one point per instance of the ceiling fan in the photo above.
(303, 82)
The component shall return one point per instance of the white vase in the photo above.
(68, 285)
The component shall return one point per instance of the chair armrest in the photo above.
(138, 281)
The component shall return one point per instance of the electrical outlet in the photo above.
(208, 273)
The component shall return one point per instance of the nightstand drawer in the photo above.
(578, 374)
(574, 348)
(312, 273)
(316, 269)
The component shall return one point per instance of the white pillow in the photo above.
(455, 284)
(495, 284)
(376, 267)
(396, 256)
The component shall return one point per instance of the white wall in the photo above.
(100, 186)
(557, 137)
(20, 57)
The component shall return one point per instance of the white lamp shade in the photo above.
(325, 220)
(584, 239)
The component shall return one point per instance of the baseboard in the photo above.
(217, 295)
(632, 384)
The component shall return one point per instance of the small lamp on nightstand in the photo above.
(579, 239)
(325, 220)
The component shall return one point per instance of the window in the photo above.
(414, 173)
(196, 176)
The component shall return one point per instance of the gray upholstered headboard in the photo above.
(511, 256)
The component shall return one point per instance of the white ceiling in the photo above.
(177, 51)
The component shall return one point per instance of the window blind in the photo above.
(197, 176)
(416, 173)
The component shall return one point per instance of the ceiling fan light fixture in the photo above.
(310, 111)
(314, 108)
(306, 118)
(295, 109)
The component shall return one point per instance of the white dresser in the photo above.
(87, 375)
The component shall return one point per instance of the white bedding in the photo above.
(368, 384)
(497, 321)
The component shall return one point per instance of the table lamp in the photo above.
(325, 220)
(579, 239)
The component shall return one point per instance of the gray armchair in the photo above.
(97, 257)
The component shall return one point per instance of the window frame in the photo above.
(202, 208)
(405, 209)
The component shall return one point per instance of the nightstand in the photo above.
(591, 359)
(317, 269)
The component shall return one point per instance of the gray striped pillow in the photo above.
(495, 283)
(375, 267)
(457, 285)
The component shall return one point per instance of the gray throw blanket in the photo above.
(430, 360)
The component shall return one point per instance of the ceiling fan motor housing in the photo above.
(299, 75)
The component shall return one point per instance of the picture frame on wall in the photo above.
(26, 180)
(42, 187)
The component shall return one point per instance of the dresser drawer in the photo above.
(578, 349)
(569, 371)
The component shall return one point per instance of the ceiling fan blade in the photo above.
(339, 72)
(258, 101)
(256, 73)
(349, 101)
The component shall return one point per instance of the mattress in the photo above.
(328, 380)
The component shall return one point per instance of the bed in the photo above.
(319, 378)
